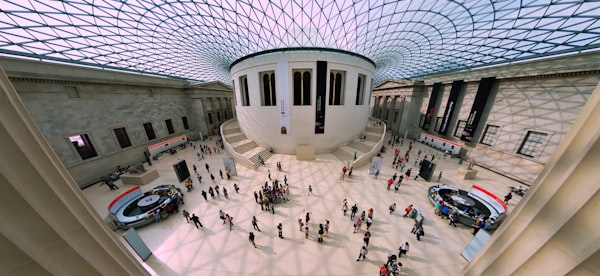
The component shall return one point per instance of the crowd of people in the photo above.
(275, 191)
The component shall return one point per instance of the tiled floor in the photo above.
(180, 249)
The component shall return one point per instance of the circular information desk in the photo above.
(148, 201)
(463, 200)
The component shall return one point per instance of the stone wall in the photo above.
(544, 96)
(70, 101)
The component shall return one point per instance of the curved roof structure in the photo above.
(198, 40)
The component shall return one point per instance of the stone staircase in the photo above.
(245, 147)
(359, 146)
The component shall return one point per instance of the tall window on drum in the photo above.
(302, 87)
(360, 89)
(267, 83)
(244, 96)
(336, 88)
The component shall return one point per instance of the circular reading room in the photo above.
(311, 96)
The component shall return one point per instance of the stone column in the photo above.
(48, 226)
(555, 229)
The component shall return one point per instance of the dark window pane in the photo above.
(149, 131)
(306, 88)
(84, 146)
(297, 88)
(185, 123)
(122, 137)
(169, 124)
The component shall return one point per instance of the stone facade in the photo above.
(64, 103)
(542, 98)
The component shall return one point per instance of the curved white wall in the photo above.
(263, 123)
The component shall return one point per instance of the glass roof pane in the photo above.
(198, 40)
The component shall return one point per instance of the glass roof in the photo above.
(198, 40)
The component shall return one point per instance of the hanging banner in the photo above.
(435, 91)
(229, 164)
(485, 86)
(450, 106)
(376, 165)
(282, 84)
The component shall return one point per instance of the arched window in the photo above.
(302, 87)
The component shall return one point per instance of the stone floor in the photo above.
(180, 249)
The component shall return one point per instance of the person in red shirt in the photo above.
(383, 270)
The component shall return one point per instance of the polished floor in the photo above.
(180, 249)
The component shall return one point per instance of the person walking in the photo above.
(196, 221)
(300, 224)
(392, 208)
(225, 193)
(207, 167)
(186, 215)
(280, 229)
(367, 238)
(353, 210)
(221, 174)
(507, 197)
(408, 210)
(204, 195)
(326, 227)
(251, 238)
(230, 220)
(369, 222)
(255, 223)
(363, 253)
(403, 249)
(195, 168)
(357, 224)
(310, 191)
(345, 208)
(307, 219)
(236, 187)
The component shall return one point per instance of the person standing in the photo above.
(225, 193)
(255, 223)
(186, 215)
(453, 218)
(251, 238)
(306, 231)
(300, 224)
(326, 227)
(196, 221)
(307, 219)
(236, 187)
(280, 229)
(221, 174)
(321, 232)
(195, 168)
(310, 191)
(345, 208)
(440, 176)
(212, 177)
(363, 253)
(269, 173)
(207, 167)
